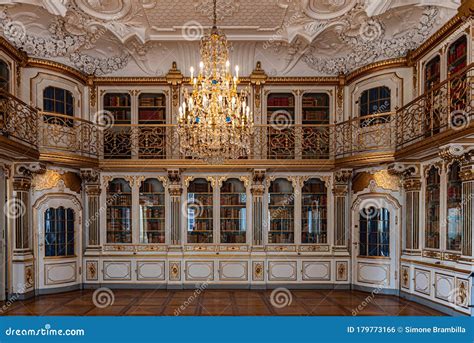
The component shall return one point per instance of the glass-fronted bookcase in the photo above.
(200, 213)
(119, 211)
(152, 212)
(281, 212)
(314, 226)
(233, 212)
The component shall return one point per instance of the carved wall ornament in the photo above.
(89, 175)
(412, 184)
(258, 176)
(381, 178)
(343, 176)
(29, 169)
(174, 176)
(53, 178)
(91, 270)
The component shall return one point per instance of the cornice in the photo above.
(332, 80)
(130, 80)
(58, 67)
(375, 67)
(13, 52)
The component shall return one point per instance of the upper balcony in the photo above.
(441, 114)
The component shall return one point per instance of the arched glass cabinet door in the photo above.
(200, 212)
(59, 232)
(314, 212)
(119, 212)
(4, 76)
(374, 232)
(281, 212)
(152, 211)
(233, 213)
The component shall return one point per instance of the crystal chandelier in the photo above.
(214, 120)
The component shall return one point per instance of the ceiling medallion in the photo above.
(214, 121)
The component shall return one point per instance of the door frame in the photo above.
(55, 200)
(389, 265)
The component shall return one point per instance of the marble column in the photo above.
(175, 191)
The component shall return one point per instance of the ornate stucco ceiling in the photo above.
(290, 37)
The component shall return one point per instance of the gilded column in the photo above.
(174, 78)
(341, 209)
(467, 177)
(258, 189)
(92, 207)
(175, 191)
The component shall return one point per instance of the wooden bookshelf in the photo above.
(454, 204)
(281, 117)
(233, 212)
(151, 108)
(119, 212)
(152, 211)
(432, 73)
(432, 208)
(119, 104)
(315, 108)
(281, 212)
(457, 55)
(314, 212)
(200, 212)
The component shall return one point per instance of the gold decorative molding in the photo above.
(376, 67)
(258, 271)
(57, 67)
(382, 179)
(51, 179)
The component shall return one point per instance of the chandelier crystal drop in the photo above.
(214, 120)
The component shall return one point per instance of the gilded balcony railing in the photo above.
(62, 133)
(372, 133)
(447, 106)
(18, 121)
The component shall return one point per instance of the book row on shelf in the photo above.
(316, 115)
(154, 237)
(119, 237)
(315, 101)
(205, 225)
(315, 215)
(231, 225)
(115, 213)
(457, 51)
(152, 101)
(154, 212)
(111, 100)
(154, 226)
(200, 188)
(200, 199)
(233, 200)
(283, 101)
(205, 213)
(281, 238)
(233, 212)
(281, 225)
(152, 199)
(320, 199)
(200, 237)
(233, 237)
(152, 115)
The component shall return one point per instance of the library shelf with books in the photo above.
(120, 105)
(151, 108)
(281, 118)
(314, 212)
(432, 73)
(432, 209)
(152, 112)
(281, 212)
(457, 60)
(152, 212)
(315, 115)
(454, 207)
(200, 212)
(119, 212)
(233, 212)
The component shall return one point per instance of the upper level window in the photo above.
(58, 100)
(59, 232)
(4, 76)
(375, 100)
(457, 55)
